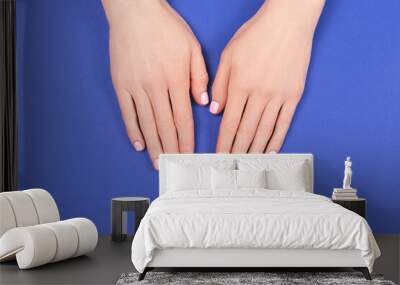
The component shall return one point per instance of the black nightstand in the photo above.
(119, 208)
(358, 206)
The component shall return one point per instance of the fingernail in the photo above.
(156, 164)
(214, 107)
(138, 146)
(272, 152)
(204, 98)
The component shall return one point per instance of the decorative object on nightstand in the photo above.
(120, 206)
(344, 194)
(347, 192)
(358, 206)
(348, 173)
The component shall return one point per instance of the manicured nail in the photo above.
(138, 146)
(272, 152)
(214, 107)
(156, 164)
(204, 98)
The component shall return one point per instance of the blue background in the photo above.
(72, 139)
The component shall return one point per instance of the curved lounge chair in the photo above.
(31, 231)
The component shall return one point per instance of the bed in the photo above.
(247, 211)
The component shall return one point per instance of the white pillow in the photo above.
(282, 174)
(223, 179)
(291, 179)
(187, 177)
(191, 173)
(251, 178)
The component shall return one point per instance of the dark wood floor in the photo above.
(103, 266)
(110, 260)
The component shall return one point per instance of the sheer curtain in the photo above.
(8, 117)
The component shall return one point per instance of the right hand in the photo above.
(156, 62)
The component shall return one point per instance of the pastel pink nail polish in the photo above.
(214, 107)
(156, 164)
(138, 146)
(204, 98)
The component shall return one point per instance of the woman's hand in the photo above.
(261, 76)
(155, 62)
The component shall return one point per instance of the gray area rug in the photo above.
(232, 278)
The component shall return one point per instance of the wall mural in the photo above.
(335, 98)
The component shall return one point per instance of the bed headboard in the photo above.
(209, 159)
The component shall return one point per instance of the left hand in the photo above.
(261, 76)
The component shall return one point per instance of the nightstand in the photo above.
(119, 208)
(358, 206)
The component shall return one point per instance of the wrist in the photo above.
(297, 14)
(117, 9)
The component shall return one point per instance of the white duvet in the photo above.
(251, 218)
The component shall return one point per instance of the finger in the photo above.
(129, 116)
(159, 99)
(248, 124)
(183, 117)
(282, 126)
(148, 125)
(265, 127)
(220, 85)
(230, 121)
(198, 77)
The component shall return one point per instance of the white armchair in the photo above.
(31, 230)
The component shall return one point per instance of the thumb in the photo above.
(198, 76)
(220, 85)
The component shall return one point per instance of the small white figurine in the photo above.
(347, 174)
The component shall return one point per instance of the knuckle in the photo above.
(260, 87)
(151, 83)
(118, 78)
(229, 127)
(246, 131)
(239, 87)
(271, 90)
(285, 123)
(265, 129)
(276, 99)
(187, 47)
(147, 83)
(132, 131)
(299, 88)
(178, 82)
(145, 123)
(296, 96)
(119, 85)
(154, 96)
(215, 89)
(184, 122)
(183, 52)
(186, 143)
(290, 92)
(259, 97)
(202, 77)
(165, 126)
(153, 148)
(197, 46)
(239, 83)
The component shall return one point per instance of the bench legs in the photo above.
(364, 271)
(143, 274)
